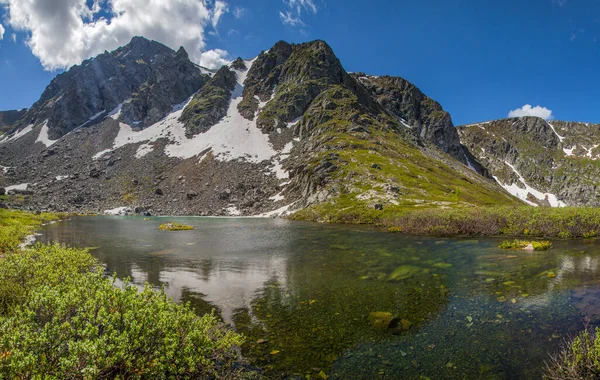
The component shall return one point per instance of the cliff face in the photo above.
(145, 77)
(143, 127)
(415, 110)
(546, 163)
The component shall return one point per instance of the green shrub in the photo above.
(69, 321)
(579, 359)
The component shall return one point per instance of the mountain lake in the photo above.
(351, 302)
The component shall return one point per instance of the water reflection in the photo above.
(305, 294)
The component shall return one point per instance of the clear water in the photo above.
(318, 299)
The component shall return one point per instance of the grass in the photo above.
(526, 245)
(60, 318)
(174, 227)
(419, 220)
(16, 225)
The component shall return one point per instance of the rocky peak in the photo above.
(126, 75)
(238, 64)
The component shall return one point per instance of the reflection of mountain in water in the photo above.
(304, 294)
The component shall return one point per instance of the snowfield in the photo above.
(232, 138)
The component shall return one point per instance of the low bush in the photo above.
(579, 359)
(523, 221)
(62, 318)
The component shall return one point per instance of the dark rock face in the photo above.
(555, 158)
(176, 80)
(9, 118)
(413, 108)
(210, 104)
(148, 73)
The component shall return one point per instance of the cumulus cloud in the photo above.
(2, 30)
(528, 110)
(214, 59)
(65, 32)
(292, 16)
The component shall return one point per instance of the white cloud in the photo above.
(219, 10)
(65, 32)
(2, 30)
(14, 37)
(292, 16)
(288, 19)
(299, 5)
(213, 59)
(238, 12)
(528, 110)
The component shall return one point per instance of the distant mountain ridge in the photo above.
(144, 128)
(542, 162)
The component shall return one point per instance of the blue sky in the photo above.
(479, 59)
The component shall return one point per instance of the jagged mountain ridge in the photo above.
(286, 130)
(542, 162)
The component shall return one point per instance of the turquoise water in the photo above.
(349, 302)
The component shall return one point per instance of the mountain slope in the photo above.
(287, 130)
(544, 163)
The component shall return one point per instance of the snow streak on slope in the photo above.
(43, 136)
(561, 138)
(233, 137)
(19, 134)
(522, 194)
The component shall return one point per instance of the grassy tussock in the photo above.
(175, 227)
(525, 245)
(15, 225)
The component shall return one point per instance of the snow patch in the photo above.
(569, 152)
(18, 134)
(101, 153)
(232, 210)
(143, 150)
(523, 193)
(119, 211)
(277, 197)
(116, 113)
(283, 211)
(561, 138)
(22, 186)
(43, 136)
(61, 177)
